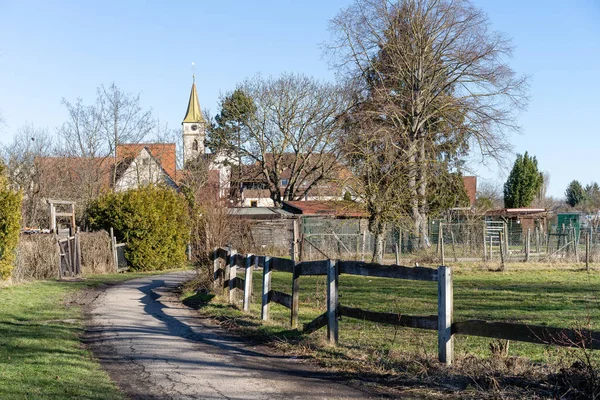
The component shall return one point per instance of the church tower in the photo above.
(194, 128)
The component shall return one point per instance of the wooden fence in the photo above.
(226, 263)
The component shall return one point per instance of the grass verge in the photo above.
(406, 357)
(41, 356)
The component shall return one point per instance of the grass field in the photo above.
(41, 356)
(543, 296)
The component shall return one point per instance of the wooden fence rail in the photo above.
(226, 263)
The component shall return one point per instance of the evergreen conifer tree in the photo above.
(524, 182)
(576, 194)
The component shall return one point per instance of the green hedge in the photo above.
(152, 220)
(10, 225)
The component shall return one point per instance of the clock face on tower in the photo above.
(194, 127)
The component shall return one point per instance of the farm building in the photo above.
(519, 220)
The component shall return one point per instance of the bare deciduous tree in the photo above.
(379, 176)
(489, 196)
(123, 120)
(436, 76)
(293, 127)
(28, 144)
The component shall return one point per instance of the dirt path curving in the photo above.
(156, 348)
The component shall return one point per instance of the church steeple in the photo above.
(194, 113)
(194, 128)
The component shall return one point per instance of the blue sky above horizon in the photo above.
(65, 49)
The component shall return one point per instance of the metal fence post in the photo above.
(445, 310)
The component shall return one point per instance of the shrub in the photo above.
(152, 220)
(10, 225)
(37, 258)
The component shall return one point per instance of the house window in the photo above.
(195, 145)
(254, 203)
(284, 182)
(145, 161)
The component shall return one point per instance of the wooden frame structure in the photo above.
(54, 215)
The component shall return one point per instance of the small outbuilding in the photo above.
(520, 220)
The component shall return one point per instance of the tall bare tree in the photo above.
(293, 126)
(436, 76)
(379, 175)
(123, 120)
(28, 144)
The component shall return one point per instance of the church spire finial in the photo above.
(194, 112)
(193, 72)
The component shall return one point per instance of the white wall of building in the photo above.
(143, 170)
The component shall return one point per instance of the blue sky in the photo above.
(55, 49)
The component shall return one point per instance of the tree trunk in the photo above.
(379, 229)
(414, 197)
(422, 229)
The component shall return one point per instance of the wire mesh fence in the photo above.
(478, 240)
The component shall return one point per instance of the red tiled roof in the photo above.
(75, 168)
(164, 152)
(338, 208)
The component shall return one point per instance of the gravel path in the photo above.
(156, 348)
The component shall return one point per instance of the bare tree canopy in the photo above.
(20, 155)
(94, 130)
(81, 134)
(291, 124)
(435, 79)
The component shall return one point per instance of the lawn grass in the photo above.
(553, 297)
(41, 356)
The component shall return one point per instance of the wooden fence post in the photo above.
(576, 245)
(295, 240)
(445, 310)
(484, 243)
(60, 269)
(332, 302)
(364, 242)
(69, 255)
(441, 239)
(438, 248)
(453, 248)
(248, 281)
(587, 251)
(266, 288)
(502, 251)
(528, 245)
(113, 247)
(225, 273)
(78, 248)
(506, 240)
(295, 295)
(216, 266)
(232, 276)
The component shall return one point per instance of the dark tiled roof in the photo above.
(337, 208)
